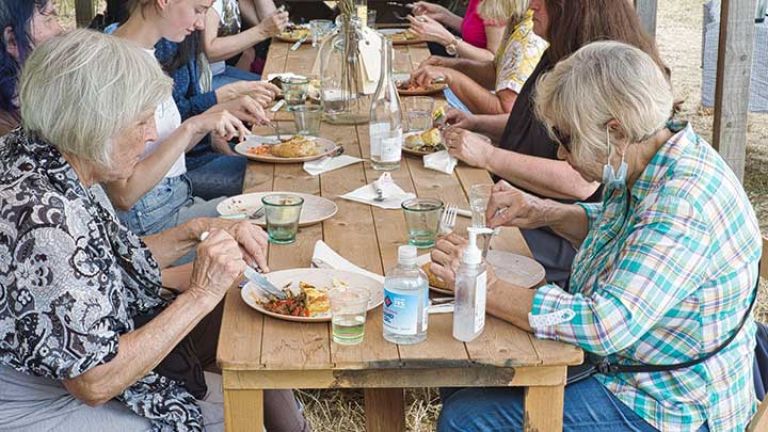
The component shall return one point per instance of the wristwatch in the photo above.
(452, 48)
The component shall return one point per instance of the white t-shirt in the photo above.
(229, 24)
(167, 119)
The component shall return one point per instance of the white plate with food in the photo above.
(295, 33)
(423, 143)
(513, 268)
(409, 88)
(314, 210)
(401, 36)
(287, 149)
(308, 300)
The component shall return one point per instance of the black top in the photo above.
(525, 133)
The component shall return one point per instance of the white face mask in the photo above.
(611, 178)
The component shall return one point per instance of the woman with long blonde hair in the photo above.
(491, 86)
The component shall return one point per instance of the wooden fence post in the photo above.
(734, 72)
(647, 11)
(84, 12)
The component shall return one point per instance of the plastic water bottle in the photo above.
(471, 281)
(406, 300)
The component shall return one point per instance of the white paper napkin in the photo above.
(393, 194)
(440, 161)
(323, 254)
(324, 165)
(284, 76)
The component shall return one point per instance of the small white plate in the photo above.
(314, 210)
(321, 279)
(513, 268)
(327, 148)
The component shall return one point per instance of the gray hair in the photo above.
(80, 90)
(600, 82)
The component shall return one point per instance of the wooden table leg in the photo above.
(544, 408)
(243, 410)
(384, 410)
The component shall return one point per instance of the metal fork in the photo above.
(448, 220)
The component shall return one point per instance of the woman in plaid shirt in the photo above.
(666, 263)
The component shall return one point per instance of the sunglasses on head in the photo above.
(563, 139)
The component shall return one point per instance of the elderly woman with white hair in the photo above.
(662, 285)
(87, 342)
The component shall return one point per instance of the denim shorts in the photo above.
(168, 204)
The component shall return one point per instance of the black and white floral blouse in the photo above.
(71, 280)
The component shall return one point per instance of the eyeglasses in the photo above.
(562, 139)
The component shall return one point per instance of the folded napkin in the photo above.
(324, 165)
(284, 76)
(324, 256)
(393, 195)
(440, 161)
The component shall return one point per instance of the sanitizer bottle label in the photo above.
(480, 287)
(401, 312)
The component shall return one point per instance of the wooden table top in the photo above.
(368, 237)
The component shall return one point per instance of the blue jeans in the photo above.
(168, 204)
(232, 74)
(454, 101)
(589, 407)
(214, 175)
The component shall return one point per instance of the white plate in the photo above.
(327, 147)
(513, 268)
(314, 210)
(321, 279)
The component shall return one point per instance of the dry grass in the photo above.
(679, 37)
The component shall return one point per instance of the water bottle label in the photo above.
(401, 312)
(480, 287)
(392, 148)
(377, 132)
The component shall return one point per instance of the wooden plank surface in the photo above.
(734, 72)
(369, 238)
(543, 408)
(385, 410)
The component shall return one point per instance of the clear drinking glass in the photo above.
(371, 18)
(419, 112)
(282, 212)
(348, 309)
(422, 216)
(295, 92)
(320, 29)
(307, 119)
(479, 195)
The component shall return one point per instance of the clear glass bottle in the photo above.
(341, 81)
(406, 300)
(386, 128)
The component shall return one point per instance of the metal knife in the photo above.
(298, 43)
(263, 283)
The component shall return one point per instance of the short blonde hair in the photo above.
(600, 82)
(503, 11)
(80, 90)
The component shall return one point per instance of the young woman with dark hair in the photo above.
(524, 154)
(24, 24)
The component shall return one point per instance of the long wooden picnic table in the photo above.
(257, 352)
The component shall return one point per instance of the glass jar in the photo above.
(341, 76)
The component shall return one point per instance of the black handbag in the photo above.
(594, 364)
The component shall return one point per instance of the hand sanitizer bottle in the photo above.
(406, 300)
(471, 279)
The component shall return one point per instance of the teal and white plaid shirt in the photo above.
(664, 278)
